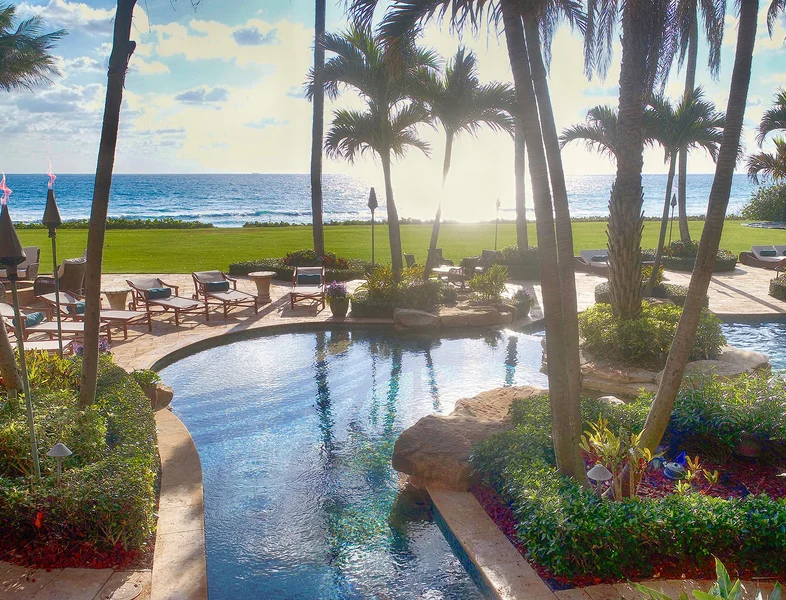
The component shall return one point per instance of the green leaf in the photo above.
(724, 582)
(776, 592)
(700, 595)
(651, 592)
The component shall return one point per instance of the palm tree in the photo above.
(557, 281)
(648, 45)
(385, 80)
(25, 59)
(599, 132)
(461, 104)
(694, 123)
(764, 163)
(317, 128)
(520, 173)
(713, 13)
(663, 404)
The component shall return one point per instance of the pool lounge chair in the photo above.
(764, 257)
(410, 260)
(72, 307)
(593, 261)
(149, 293)
(28, 268)
(74, 329)
(308, 283)
(215, 285)
(70, 274)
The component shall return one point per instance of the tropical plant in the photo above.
(648, 45)
(461, 104)
(317, 128)
(694, 123)
(772, 165)
(555, 242)
(599, 132)
(25, 59)
(489, 285)
(713, 13)
(766, 204)
(663, 403)
(387, 127)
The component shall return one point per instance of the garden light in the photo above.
(59, 452)
(600, 475)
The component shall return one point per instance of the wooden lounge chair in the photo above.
(764, 257)
(149, 293)
(69, 308)
(308, 283)
(49, 346)
(215, 285)
(28, 268)
(74, 329)
(410, 260)
(593, 261)
(70, 275)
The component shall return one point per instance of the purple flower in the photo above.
(336, 289)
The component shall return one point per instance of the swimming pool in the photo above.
(769, 338)
(296, 432)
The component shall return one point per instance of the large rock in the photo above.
(415, 318)
(160, 395)
(469, 315)
(616, 380)
(435, 450)
(755, 361)
(699, 369)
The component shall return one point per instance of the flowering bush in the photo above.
(336, 290)
(103, 346)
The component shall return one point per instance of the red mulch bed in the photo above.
(738, 478)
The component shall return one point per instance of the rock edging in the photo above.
(461, 315)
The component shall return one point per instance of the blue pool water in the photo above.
(296, 432)
(769, 338)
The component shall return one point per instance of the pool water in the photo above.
(296, 433)
(769, 338)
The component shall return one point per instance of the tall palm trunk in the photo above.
(122, 48)
(663, 404)
(317, 128)
(432, 246)
(566, 452)
(626, 221)
(564, 232)
(664, 221)
(520, 169)
(394, 230)
(690, 84)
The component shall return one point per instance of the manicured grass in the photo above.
(184, 250)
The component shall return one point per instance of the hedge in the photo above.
(778, 288)
(724, 262)
(570, 531)
(356, 270)
(668, 291)
(107, 497)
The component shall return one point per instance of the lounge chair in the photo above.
(72, 307)
(75, 329)
(148, 293)
(49, 346)
(410, 260)
(70, 274)
(215, 285)
(308, 283)
(764, 257)
(593, 261)
(28, 268)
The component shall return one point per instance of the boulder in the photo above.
(612, 400)
(626, 390)
(160, 395)
(472, 315)
(435, 450)
(617, 380)
(419, 319)
(699, 369)
(755, 361)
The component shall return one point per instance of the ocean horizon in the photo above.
(231, 200)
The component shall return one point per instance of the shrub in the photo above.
(646, 273)
(681, 256)
(766, 204)
(778, 288)
(356, 269)
(523, 303)
(572, 532)
(336, 289)
(668, 291)
(489, 285)
(645, 341)
(124, 223)
(380, 295)
(146, 378)
(108, 495)
(512, 255)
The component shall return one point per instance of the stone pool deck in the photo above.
(179, 571)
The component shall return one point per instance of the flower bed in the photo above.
(103, 513)
(581, 539)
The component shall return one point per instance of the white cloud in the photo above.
(71, 15)
(140, 65)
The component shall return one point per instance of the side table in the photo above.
(262, 279)
(116, 297)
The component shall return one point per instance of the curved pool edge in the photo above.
(179, 559)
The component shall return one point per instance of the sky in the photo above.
(218, 88)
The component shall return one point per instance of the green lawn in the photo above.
(184, 250)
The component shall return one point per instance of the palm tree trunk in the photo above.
(12, 381)
(394, 230)
(432, 247)
(565, 450)
(122, 48)
(317, 127)
(564, 231)
(664, 222)
(690, 84)
(520, 168)
(626, 221)
(663, 404)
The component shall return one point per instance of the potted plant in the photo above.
(338, 298)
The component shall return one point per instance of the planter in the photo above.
(339, 307)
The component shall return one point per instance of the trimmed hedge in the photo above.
(356, 270)
(107, 496)
(778, 288)
(685, 261)
(123, 223)
(570, 531)
(668, 291)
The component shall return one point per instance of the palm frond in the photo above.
(766, 165)
(25, 54)
(351, 134)
(773, 119)
(777, 8)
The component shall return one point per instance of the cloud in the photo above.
(251, 36)
(203, 96)
(267, 122)
(71, 15)
(140, 65)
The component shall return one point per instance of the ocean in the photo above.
(231, 200)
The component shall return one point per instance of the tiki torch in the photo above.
(11, 254)
(52, 221)
(673, 206)
(372, 204)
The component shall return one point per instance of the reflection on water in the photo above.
(296, 433)
(769, 338)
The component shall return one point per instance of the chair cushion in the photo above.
(156, 293)
(309, 279)
(599, 258)
(216, 286)
(78, 308)
(768, 253)
(32, 319)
